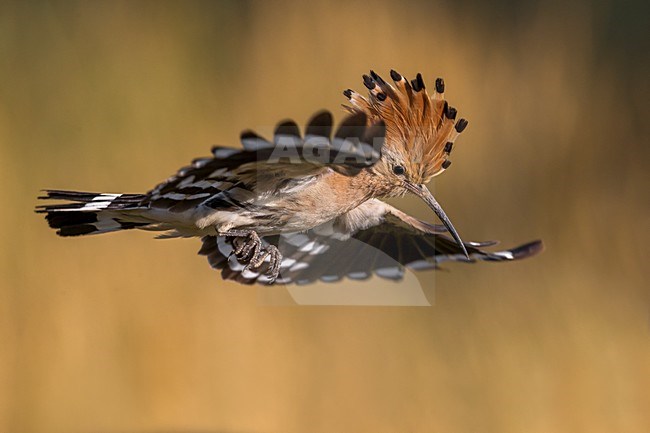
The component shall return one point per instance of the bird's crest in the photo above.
(420, 128)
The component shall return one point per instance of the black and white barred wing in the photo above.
(355, 144)
(374, 239)
(260, 163)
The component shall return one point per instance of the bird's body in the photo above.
(294, 208)
(301, 205)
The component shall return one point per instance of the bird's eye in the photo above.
(399, 170)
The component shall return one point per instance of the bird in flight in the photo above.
(307, 207)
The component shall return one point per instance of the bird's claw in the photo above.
(275, 259)
(249, 249)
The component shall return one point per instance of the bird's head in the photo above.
(420, 134)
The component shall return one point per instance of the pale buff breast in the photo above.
(333, 195)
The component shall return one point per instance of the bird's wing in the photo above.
(375, 238)
(262, 167)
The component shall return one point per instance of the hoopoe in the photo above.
(304, 208)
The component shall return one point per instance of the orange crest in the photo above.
(421, 129)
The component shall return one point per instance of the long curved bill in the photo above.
(423, 192)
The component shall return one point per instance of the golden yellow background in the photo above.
(121, 333)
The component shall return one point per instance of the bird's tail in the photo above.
(87, 213)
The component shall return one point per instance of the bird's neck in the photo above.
(352, 191)
(371, 184)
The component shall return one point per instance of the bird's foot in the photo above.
(247, 245)
(249, 250)
(275, 259)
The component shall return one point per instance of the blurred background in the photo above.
(121, 333)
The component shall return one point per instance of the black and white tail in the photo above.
(89, 213)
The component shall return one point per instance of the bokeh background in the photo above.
(122, 333)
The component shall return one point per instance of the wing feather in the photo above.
(262, 166)
(383, 241)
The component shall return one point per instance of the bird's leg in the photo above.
(248, 248)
